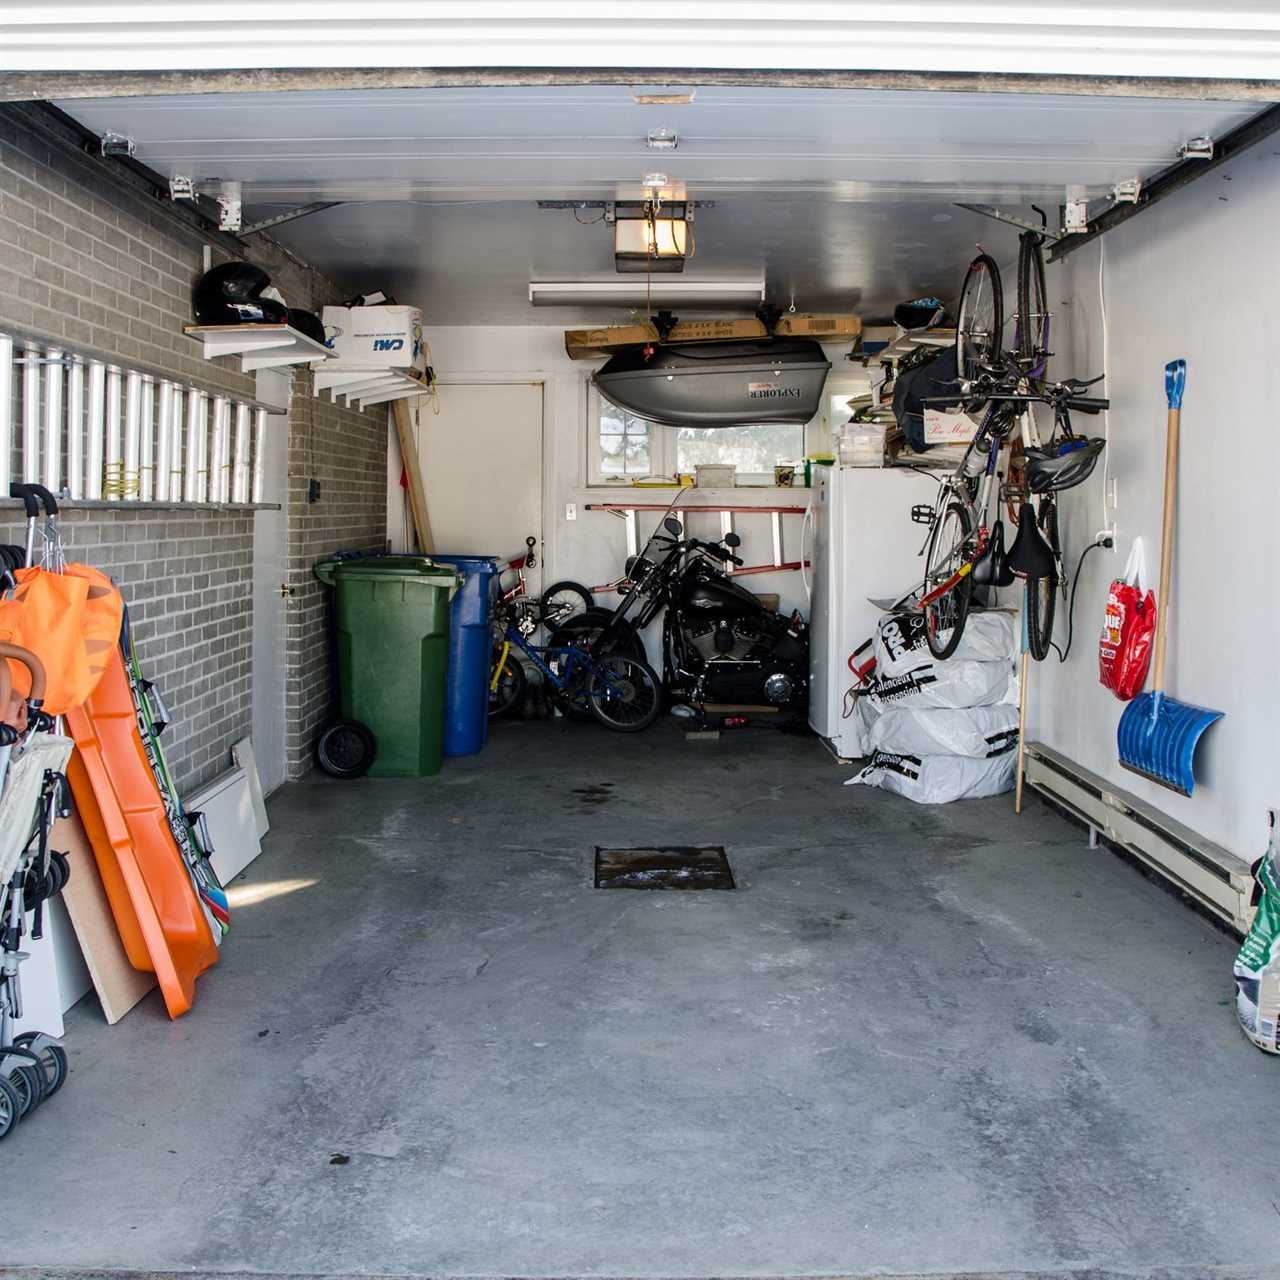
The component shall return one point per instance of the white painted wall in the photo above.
(591, 548)
(1194, 276)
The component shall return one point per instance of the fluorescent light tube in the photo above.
(682, 292)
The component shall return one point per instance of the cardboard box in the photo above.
(942, 427)
(595, 344)
(375, 338)
(832, 328)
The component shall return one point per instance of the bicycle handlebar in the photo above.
(1087, 404)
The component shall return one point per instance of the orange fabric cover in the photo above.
(72, 621)
(158, 913)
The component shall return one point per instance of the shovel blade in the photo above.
(1157, 738)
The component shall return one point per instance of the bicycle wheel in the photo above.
(1042, 593)
(980, 317)
(509, 690)
(949, 544)
(1033, 306)
(562, 601)
(624, 694)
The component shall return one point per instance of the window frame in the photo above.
(662, 449)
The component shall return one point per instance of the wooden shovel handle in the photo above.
(32, 664)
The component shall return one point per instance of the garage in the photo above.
(636, 640)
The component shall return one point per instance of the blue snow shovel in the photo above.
(1158, 734)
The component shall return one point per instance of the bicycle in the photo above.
(619, 690)
(961, 545)
(557, 606)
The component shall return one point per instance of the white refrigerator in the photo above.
(862, 546)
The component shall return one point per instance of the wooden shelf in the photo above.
(259, 346)
(370, 386)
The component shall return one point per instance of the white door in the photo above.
(481, 459)
(270, 571)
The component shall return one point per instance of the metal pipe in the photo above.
(221, 411)
(53, 421)
(95, 427)
(75, 429)
(164, 441)
(196, 409)
(147, 449)
(175, 449)
(259, 454)
(31, 416)
(240, 458)
(6, 412)
(112, 462)
(132, 434)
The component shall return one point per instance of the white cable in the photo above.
(1106, 387)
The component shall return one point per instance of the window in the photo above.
(623, 447)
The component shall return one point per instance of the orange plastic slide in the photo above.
(162, 924)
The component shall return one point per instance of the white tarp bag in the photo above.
(860, 717)
(938, 779)
(976, 732)
(989, 636)
(953, 683)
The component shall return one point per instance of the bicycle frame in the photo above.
(561, 681)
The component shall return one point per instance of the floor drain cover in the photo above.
(668, 867)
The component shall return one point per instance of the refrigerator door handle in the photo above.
(806, 551)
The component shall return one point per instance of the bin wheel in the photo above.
(10, 1108)
(346, 749)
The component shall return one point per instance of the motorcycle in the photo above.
(722, 648)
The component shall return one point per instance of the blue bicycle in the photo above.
(620, 690)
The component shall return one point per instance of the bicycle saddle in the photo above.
(1030, 554)
(991, 568)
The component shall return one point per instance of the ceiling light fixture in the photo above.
(662, 140)
(747, 294)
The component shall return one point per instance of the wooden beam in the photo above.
(413, 471)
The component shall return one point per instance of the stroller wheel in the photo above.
(53, 1059)
(10, 1108)
(27, 1082)
(346, 749)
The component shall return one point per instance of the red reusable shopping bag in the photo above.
(1124, 648)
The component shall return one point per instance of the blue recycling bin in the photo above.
(466, 723)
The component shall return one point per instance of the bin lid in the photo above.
(385, 568)
(468, 564)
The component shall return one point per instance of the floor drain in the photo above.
(666, 867)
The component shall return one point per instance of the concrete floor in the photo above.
(914, 1040)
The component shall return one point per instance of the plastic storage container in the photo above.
(466, 719)
(392, 615)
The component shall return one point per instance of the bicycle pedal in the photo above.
(1014, 492)
(922, 513)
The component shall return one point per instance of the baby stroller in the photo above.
(33, 1065)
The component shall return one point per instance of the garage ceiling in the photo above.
(841, 198)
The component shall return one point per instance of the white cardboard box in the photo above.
(941, 427)
(375, 338)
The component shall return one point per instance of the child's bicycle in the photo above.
(620, 690)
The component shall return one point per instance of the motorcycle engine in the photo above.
(724, 640)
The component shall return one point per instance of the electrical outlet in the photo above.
(570, 510)
(1106, 538)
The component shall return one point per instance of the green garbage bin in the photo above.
(392, 616)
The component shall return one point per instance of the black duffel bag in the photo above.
(935, 378)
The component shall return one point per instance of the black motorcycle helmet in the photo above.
(308, 323)
(231, 294)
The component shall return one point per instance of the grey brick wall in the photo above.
(94, 263)
(347, 453)
(186, 578)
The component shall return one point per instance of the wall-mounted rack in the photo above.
(259, 346)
